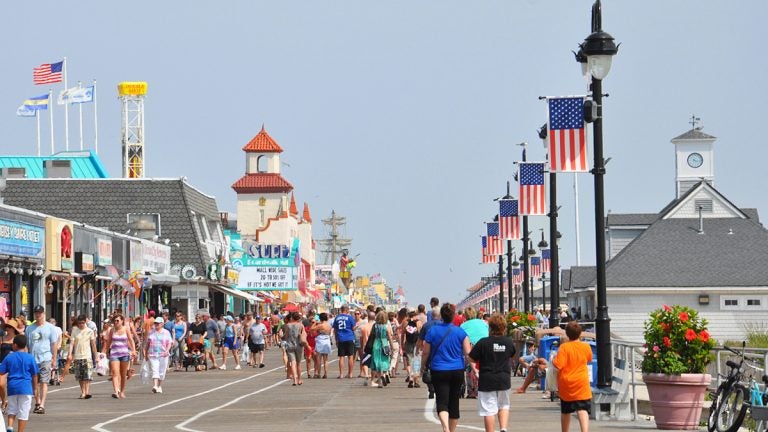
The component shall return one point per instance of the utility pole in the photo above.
(335, 244)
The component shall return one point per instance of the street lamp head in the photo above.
(581, 58)
(515, 264)
(543, 243)
(599, 49)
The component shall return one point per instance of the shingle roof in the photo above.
(262, 143)
(582, 276)
(262, 182)
(85, 164)
(694, 134)
(614, 219)
(732, 252)
(106, 203)
(565, 280)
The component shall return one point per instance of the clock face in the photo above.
(695, 160)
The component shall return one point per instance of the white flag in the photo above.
(76, 95)
(25, 111)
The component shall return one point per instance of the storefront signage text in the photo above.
(105, 251)
(21, 239)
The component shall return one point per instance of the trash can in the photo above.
(592, 366)
(547, 345)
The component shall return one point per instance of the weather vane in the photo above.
(694, 121)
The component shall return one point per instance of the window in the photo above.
(144, 225)
(731, 302)
(705, 204)
(205, 230)
(261, 164)
(753, 302)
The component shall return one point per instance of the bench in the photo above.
(616, 397)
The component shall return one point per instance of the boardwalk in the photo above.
(262, 400)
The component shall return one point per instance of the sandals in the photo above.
(115, 396)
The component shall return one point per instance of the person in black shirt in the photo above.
(197, 329)
(492, 354)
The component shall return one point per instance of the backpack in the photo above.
(411, 332)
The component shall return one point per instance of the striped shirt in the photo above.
(119, 347)
(159, 343)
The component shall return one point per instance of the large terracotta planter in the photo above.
(677, 400)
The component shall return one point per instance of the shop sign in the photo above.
(233, 276)
(105, 251)
(137, 257)
(20, 239)
(267, 278)
(83, 262)
(59, 236)
(156, 257)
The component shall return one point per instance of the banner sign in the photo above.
(156, 257)
(104, 246)
(20, 239)
(267, 278)
(59, 235)
(137, 257)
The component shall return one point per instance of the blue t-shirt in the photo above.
(229, 331)
(344, 325)
(20, 367)
(178, 330)
(476, 329)
(449, 355)
(39, 340)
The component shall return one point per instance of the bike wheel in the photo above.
(716, 401)
(730, 414)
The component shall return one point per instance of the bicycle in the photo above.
(728, 408)
(757, 404)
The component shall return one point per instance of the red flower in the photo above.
(690, 335)
(531, 317)
(665, 327)
(667, 342)
(667, 308)
(515, 318)
(704, 336)
(683, 316)
(656, 348)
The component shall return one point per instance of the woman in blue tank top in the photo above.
(179, 340)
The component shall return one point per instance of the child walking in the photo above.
(573, 378)
(18, 390)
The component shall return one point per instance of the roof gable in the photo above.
(685, 207)
(262, 143)
(694, 135)
(262, 183)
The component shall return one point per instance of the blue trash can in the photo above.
(547, 345)
(592, 366)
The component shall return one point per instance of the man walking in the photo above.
(343, 326)
(211, 335)
(42, 343)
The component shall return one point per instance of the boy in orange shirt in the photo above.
(573, 378)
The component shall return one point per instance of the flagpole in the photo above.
(95, 121)
(37, 119)
(66, 108)
(80, 109)
(50, 107)
(576, 203)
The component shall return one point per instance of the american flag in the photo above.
(517, 276)
(495, 246)
(487, 259)
(532, 197)
(48, 73)
(509, 222)
(535, 267)
(546, 261)
(567, 135)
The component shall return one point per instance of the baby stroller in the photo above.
(194, 356)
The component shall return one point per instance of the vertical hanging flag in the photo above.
(494, 242)
(509, 222)
(567, 135)
(532, 197)
(535, 267)
(487, 258)
(517, 276)
(546, 261)
(48, 73)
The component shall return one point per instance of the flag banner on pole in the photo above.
(37, 102)
(517, 276)
(25, 111)
(75, 95)
(532, 197)
(567, 135)
(487, 259)
(546, 261)
(494, 242)
(48, 73)
(535, 267)
(509, 222)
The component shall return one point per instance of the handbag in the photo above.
(426, 372)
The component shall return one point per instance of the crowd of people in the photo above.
(455, 353)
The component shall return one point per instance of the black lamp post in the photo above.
(531, 254)
(509, 264)
(543, 245)
(599, 48)
(554, 237)
(527, 299)
(515, 266)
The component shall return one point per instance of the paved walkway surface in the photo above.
(263, 400)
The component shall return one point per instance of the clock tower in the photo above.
(694, 160)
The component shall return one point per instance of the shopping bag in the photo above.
(102, 365)
(146, 373)
(416, 366)
(551, 376)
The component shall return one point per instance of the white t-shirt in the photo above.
(256, 333)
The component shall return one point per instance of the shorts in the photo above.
(19, 405)
(255, 348)
(410, 351)
(346, 348)
(489, 403)
(230, 343)
(528, 358)
(81, 369)
(208, 344)
(45, 372)
(573, 406)
(274, 330)
(119, 359)
(308, 352)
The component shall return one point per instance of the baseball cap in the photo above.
(258, 317)
(38, 308)
(159, 320)
(229, 318)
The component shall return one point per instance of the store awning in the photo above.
(236, 293)
(164, 279)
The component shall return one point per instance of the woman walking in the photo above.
(322, 344)
(294, 338)
(230, 344)
(445, 349)
(381, 332)
(309, 349)
(157, 349)
(394, 358)
(179, 340)
(12, 328)
(81, 350)
(121, 349)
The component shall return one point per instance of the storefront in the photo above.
(22, 236)
(59, 263)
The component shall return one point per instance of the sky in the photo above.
(403, 115)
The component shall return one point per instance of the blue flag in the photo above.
(37, 102)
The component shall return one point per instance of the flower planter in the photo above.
(677, 400)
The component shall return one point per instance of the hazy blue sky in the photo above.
(403, 115)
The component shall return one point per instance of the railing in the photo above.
(757, 358)
(630, 351)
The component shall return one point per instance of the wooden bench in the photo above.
(616, 397)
